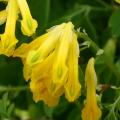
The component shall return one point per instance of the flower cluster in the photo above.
(51, 62)
(10, 15)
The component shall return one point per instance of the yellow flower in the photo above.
(118, 1)
(8, 40)
(52, 60)
(3, 16)
(91, 111)
(28, 24)
(38, 49)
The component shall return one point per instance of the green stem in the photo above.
(83, 48)
(10, 88)
(97, 49)
(86, 38)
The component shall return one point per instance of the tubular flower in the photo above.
(28, 24)
(91, 111)
(8, 40)
(51, 61)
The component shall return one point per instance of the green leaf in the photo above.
(6, 107)
(114, 23)
(4, 100)
(10, 109)
(110, 49)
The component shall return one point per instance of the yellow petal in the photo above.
(60, 68)
(39, 47)
(40, 92)
(8, 40)
(25, 48)
(39, 70)
(36, 56)
(42, 69)
(27, 71)
(28, 24)
(3, 16)
(91, 111)
(72, 86)
(55, 89)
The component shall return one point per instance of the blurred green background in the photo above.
(101, 21)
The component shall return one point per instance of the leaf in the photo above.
(6, 107)
(4, 100)
(114, 23)
(10, 109)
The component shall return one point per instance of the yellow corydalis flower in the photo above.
(91, 111)
(8, 40)
(28, 24)
(52, 60)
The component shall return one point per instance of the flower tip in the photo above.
(91, 61)
(71, 94)
(70, 24)
(29, 27)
